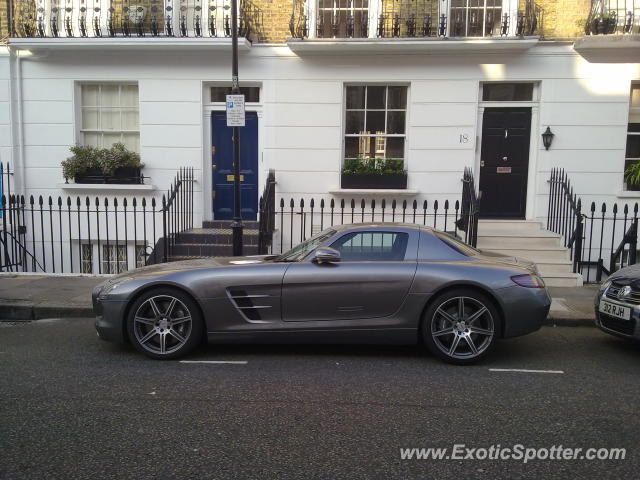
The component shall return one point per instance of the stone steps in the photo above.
(527, 239)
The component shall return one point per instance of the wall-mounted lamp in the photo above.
(547, 138)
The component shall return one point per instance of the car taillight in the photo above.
(528, 281)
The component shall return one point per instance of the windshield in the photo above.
(300, 251)
(457, 244)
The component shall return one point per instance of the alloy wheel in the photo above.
(162, 324)
(462, 327)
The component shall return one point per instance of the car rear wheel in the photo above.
(460, 326)
(164, 324)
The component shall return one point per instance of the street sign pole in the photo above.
(236, 225)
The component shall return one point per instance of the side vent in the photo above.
(248, 304)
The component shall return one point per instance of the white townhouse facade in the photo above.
(334, 92)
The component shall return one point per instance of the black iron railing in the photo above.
(608, 17)
(418, 18)
(130, 18)
(296, 220)
(267, 214)
(601, 240)
(565, 216)
(92, 235)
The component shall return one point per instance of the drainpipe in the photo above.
(16, 117)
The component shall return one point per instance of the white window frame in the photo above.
(633, 112)
(508, 6)
(81, 132)
(374, 8)
(386, 110)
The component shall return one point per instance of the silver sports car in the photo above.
(366, 283)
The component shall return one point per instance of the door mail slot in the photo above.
(503, 170)
(232, 178)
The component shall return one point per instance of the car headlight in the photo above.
(110, 287)
(605, 285)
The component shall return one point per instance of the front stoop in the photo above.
(527, 239)
(213, 240)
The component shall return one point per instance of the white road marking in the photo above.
(523, 370)
(217, 362)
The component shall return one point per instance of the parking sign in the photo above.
(235, 110)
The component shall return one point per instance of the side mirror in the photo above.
(326, 255)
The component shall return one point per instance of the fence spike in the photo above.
(312, 203)
(97, 202)
(604, 207)
(302, 203)
(115, 202)
(626, 209)
(124, 202)
(135, 202)
(383, 203)
(106, 202)
(373, 203)
(593, 206)
(404, 204)
(362, 204)
(144, 201)
(292, 203)
(87, 202)
(415, 204)
(615, 208)
(59, 201)
(446, 204)
(435, 205)
(282, 203)
(635, 208)
(50, 201)
(68, 201)
(322, 203)
(393, 204)
(153, 203)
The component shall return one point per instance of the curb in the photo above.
(29, 311)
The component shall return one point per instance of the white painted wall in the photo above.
(585, 104)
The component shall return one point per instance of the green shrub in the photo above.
(375, 166)
(107, 160)
(632, 174)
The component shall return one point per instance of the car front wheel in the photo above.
(164, 324)
(460, 326)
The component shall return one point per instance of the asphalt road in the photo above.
(72, 406)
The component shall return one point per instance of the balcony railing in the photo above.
(413, 18)
(130, 18)
(609, 17)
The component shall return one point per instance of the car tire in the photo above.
(460, 335)
(164, 324)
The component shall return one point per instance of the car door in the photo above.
(372, 279)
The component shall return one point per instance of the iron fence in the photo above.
(608, 17)
(267, 214)
(130, 18)
(418, 18)
(295, 220)
(601, 240)
(93, 235)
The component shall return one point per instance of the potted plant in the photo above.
(374, 173)
(107, 165)
(120, 165)
(632, 176)
(604, 23)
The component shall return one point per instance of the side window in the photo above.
(372, 246)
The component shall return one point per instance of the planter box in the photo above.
(373, 181)
(125, 175)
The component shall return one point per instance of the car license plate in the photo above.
(614, 310)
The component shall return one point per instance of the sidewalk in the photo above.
(31, 297)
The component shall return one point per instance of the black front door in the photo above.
(504, 162)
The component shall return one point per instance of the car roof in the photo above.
(370, 225)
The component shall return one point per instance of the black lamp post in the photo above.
(236, 224)
(547, 138)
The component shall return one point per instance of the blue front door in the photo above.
(222, 161)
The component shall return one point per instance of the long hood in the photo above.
(168, 268)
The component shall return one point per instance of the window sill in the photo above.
(390, 192)
(106, 186)
(628, 194)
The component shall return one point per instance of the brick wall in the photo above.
(275, 21)
(563, 19)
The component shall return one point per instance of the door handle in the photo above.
(505, 159)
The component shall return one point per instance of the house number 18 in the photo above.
(464, 138)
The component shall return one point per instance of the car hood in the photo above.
(162, 269)
(628, 276)
(508, 260)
